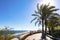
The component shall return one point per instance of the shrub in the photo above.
(56, 34)
(5, 34)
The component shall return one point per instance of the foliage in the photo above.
(5, 34)
(56, 33)
(43, 13)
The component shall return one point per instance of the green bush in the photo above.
(56, 33)
(5, 34)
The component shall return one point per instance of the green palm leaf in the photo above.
(51, 7)
(36, 22)
(53, 10)
(35, 15)
(33, 19)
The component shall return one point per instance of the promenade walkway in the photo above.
(32, 37)
(36, 37)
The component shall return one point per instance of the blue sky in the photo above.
(17, 13)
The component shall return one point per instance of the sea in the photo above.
(19, 31)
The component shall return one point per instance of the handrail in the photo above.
(51, 37)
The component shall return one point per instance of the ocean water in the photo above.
(19, 31)
(16, 32)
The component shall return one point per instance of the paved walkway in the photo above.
(15, 39)
(36, 37)
(32, 37)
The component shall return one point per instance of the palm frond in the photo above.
(38, 7)
(45, 7)
(53, 14)
(33, 19)
(56, 14)
(41, 7)
(39, 23)
(53, 10)
(53, 17)
(35, 15)
(51, 7)
(36, 12)
(36, 22)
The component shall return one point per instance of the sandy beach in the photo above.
(20, 35)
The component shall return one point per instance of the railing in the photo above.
(53, 38)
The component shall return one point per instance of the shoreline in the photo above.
(20, 34)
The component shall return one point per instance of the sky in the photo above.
(17, 13)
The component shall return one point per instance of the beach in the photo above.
(20, 35)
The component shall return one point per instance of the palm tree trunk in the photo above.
(45, 28)
(52, 30)
(49, 31)
(43, 37)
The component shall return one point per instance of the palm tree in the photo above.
(53, 22)
(42, 14)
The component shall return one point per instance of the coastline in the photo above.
(21, 35)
